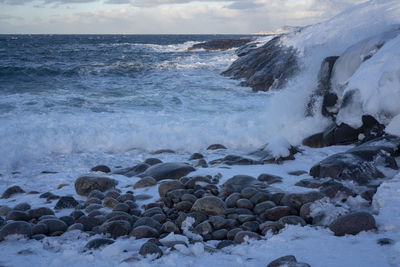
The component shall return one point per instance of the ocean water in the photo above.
(66, 95)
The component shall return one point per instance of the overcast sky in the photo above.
(162, 16)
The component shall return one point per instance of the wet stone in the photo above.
(248, 192)
(85, 184)
(93, 207)
(110, 202)
(216, 146)
(124, 197)
(55, 225)
(260, 208)
(76, 214)
(112, 193)
(269, 178)
(164, 187)
(39, 212)
(89, 222)
(9, 192)
(251, 226)
(244, 203)
(69, 220)
(40, 228)
(203, 228)
(145, 182)
(217, 222)
(101, 168)
(385, 241)
(76, 226)
(152, 211)
(196, 156)
(289, 260)
(189, 197)
(184, 206)
(152, 161)
(122, 207)
(224, 244)
(241, 236)
(292, 220)
(17, 215)
(19, 227)
(278, 212)
(209, 205)
(97, 194)
(269, 226)
(148, 222)
(149, 248)
(98, 242)
(90, 201)
(172, 170)
(219, 234)
(66, 202)
(232, 233)
(116, 228)
(353, 223)
(144, 231)
(22, 206)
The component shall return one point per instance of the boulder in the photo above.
(353, 223)
(145, 182)
(101, 168)
(98, 242)
(9, 192)
(116, 228)
(209, 205)
(149, 248)
(220, 44)
(66, 202)
(85, 184)
(172, 170)
(166, 186)
(16, 228)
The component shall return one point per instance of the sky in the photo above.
(162, 16)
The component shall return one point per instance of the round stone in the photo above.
(209, 205)
(18, 228)
(144, 231)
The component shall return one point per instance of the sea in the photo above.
(78, 95)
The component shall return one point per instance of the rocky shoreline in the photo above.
(193, 209)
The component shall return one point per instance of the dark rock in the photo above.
(269, 178)
(353, 223)
(148, 222)
(298, 200)
(231, 200)
(248, 192)
(315, 140)
(232, 233)
(149, 248)
(260, 208)
(122, 207)
(334, 189)
(39, 212)
(19, 228)
(217, 222)
(145, 182)
(216, 146)
(166, 186)
(22, 206)
(98, 242)
(93, 207)
(385, 241)
(220, 44)
(251, 226)
(203, 228)
(297, 173)
(197, 216)
(163, 151)
(269, 66)
(289, 261)
(170, 227)
(89, 222)
(269, 226)
(144, 231)
(244, 203)
(40, 228)
(260, 197)
(125, 197)
(209, 205)
(67, 202)
(141, 197)
(233, 160)
(4, 210)
(49, 196)
(263, 155)
(152, 161)
(76, 214)
(189, 197)
(345, 135)
(219, 234)
(278, 212)
(163, 171)
(152, 211)
(76, 226)
(85, 184)
(176, 194)
(202, 163)
(305, 212)
(224, 244)
(309, 183)
(69, 220)
(9, 192)
(110, 202)
(116, 228)
(196, 156)
(55, 225)
(17, 215)
(368, 194)
(241, 236)
(246, 218)
(38, 237)
(90, 201)
(101, 168)
(184, 206)
(196, 180)
(293, 220)
(346, 166)
(133, 171)
(112, 193)
(237, 183)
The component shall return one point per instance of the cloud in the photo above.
(221, 17)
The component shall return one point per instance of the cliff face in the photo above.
(346, 69)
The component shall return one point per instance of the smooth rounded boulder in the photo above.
(171, 170)
(16, 228)
(209, 205)
(86, 184)
(353, 224)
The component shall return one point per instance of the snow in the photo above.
(394, 126)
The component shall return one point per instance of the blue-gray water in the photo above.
(64, 94)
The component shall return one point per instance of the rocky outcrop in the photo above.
(222, 44)
(267, 67)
